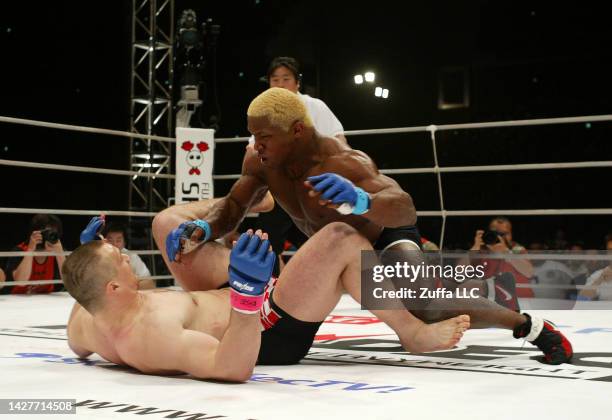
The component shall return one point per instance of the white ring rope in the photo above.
(168, 277)
(530, 212)
(231, 139)
(528, 166)
(500, 256)
(492, 124)
(485, 168)
(523, 123)
(59, 281)
(440, 191)
(229, 176)
(421, 213)
(67, 212)
(561, 286)
(66, 253)
(574, 256)
(83, 129)
(443, 127)
(38, 165)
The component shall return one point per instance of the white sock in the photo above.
(537, 324)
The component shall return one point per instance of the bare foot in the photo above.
(438, 336)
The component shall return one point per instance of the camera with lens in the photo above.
(491, 237)
(50, 235)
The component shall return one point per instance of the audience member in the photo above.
(553, 272)
(44, 234)
(498, 239)
(600, 281)
(115, 234)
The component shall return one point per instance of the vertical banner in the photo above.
(195, 156)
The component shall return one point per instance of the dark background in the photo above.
(69, 62)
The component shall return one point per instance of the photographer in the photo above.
(498, 239)
(44, 235)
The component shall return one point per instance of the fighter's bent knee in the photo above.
(339, 231)
(340, 227)
(158, 222)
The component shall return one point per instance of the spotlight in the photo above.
(385, 93)
(358, 79)
(369, 76)
(378, 92)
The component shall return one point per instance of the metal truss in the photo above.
(151, 102)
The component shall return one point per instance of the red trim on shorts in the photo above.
(267, 315)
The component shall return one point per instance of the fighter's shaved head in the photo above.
(85, 274)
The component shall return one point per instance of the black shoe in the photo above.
(556, 347)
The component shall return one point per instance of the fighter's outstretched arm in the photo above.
(230, 359)
(218, 216)
(234, 357)
(226, 214)
(385, 203)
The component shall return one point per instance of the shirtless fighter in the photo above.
(254, 320)
(319, 180)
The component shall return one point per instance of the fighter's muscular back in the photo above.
(287, 184)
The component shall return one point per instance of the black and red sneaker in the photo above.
(556, 347)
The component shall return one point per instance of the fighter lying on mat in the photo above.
(221, 334)
(313, 177)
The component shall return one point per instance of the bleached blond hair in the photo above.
(281, 106)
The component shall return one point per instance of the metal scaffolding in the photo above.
(150, 114)
(151, 102)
